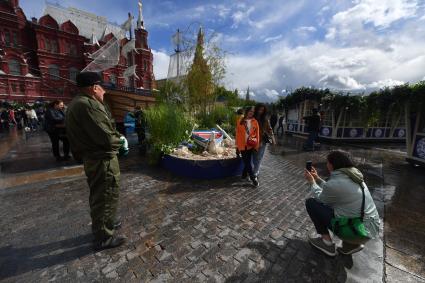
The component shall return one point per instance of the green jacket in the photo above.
(343, 193)
(90, 129)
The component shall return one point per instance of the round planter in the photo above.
(203, 169)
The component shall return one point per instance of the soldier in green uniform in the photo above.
(95, 141)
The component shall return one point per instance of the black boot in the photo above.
(109, 243)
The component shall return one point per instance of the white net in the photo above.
(179, 64)
(106, 57)
(128, 47)
(130, 71)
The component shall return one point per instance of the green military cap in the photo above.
(85, 79)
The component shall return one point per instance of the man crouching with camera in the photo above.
(342, 204)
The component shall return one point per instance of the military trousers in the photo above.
(103, 178)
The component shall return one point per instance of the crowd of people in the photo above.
(22, 117)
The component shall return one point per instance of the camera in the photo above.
(308, 165)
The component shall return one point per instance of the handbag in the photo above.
(251, 141)
(350, 228)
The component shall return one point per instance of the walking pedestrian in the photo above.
(54, 125)
(273, 120)
(96, 143)
(19, 118)
(12, 117)
(140, 124)
(265, 136)
(280, 127)
(342, 204)
(32, 119)
(41, 115)
(4, 119)
(24, 116)
(247, 141)
(313, 127)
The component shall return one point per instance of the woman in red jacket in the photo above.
(247, 141)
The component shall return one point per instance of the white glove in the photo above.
(124, 143)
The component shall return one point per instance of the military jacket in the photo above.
(90, 129)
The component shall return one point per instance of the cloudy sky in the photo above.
(274, 46)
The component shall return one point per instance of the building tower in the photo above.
(143, 57)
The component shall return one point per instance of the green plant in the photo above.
(168, 125)
(218, 115)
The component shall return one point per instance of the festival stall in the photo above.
(415, 121)
(345, 117)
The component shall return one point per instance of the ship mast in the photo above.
(177, 40)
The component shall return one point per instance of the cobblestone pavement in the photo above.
(182, 230)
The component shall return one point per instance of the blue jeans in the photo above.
(258, 157)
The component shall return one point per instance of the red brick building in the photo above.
(40, 58)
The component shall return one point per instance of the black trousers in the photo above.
(247, 161)
(278, 130)
(321, 215)
(55, 138)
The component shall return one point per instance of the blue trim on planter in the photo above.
(203, 169)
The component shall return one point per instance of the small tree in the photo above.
(205, 74)
(199, 79)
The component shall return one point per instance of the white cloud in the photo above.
(305, 29)
(340, 82)
(385, 83)
(160, 64)
(326, 65)
(273, 38)
(272, 94)
(274, 12)
(241, 16)
(349, 25)
(223, 11)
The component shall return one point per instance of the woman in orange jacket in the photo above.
(248, 141)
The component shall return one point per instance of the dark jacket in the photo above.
(53, 118)
(313, 122)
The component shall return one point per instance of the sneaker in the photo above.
(320, 245)
(348, 249)
(244, 177)
(117, 224)
(255, 182)
(109, 243)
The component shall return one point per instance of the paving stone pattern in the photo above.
(178, 230)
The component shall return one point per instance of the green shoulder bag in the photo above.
(350, 228)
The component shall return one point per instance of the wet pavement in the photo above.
(182, 230)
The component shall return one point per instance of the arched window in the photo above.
(7, 37)
(14, 68)
(54, 72)
(47, 47)
(15, 39)
(73, 72)
(113, 78)
(54, 46)
(73, 50)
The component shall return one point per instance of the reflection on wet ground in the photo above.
(398, 188)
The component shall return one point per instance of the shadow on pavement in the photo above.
(16, 261)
